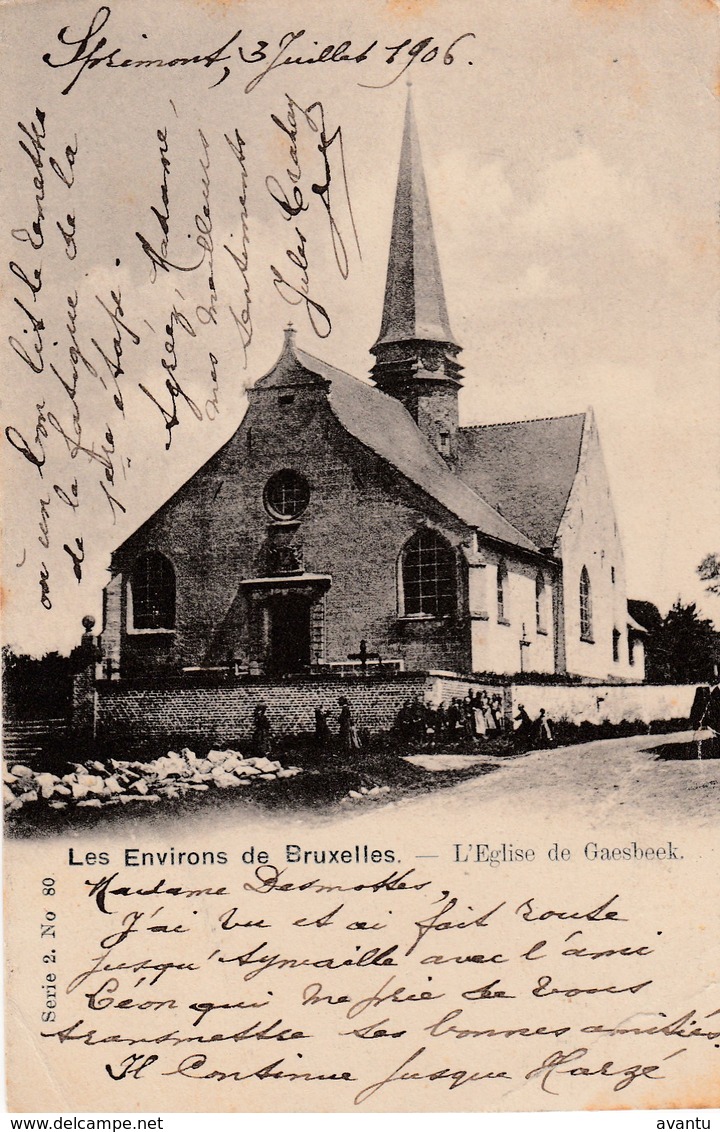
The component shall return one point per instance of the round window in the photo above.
(287, 494)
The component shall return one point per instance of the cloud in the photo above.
(475, 183)
(534, 283)
(579, 194)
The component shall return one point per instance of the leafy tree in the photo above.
(683, 649)
(36, 688)
(709, 571)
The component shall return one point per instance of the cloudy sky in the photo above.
(571, 153)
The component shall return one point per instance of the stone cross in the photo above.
(524, 643)
(363, 655)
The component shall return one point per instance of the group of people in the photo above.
(532, 732)
(477, 716)
(463, 721)
(348, 736)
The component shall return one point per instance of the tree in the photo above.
(683, 649)
(37, 688)
(709, 571)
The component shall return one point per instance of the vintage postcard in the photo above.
(361, 574)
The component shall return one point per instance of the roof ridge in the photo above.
(376, 390)
(371, 384)
(524, 420)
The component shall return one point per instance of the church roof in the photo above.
(525, 469)
(383, 424)
(289, 370)
(414, 306)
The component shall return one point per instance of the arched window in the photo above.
(153, 592)
(502, 588)
(585, 606)
(540, 603)
(428, 576)
(616, 645)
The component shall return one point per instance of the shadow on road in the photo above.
(696, 749)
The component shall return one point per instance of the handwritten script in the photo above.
(360, 988)
(84, 49)
(133, 314)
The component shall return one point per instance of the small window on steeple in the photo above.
(445, 443)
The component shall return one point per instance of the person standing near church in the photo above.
(496, 708)
(711, 720)
(440, 723)
(261, 730)
(542, 733)
(478, 709)
(523, 728)
(417, 720)
(322, 730)
(349, 740)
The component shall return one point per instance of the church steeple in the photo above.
(415, 351)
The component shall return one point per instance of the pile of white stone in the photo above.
(365, 793)
(174, 775)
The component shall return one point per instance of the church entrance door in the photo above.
(289, 633)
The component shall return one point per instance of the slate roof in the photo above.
(383, 425)
(524, 468)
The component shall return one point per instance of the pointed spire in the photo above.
(415, 354)
(414, 307)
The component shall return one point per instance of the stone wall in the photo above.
(605, 703)
(224, 712)
(496, 641)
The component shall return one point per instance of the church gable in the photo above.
(307, 385)
(293, 509)
(595, 615)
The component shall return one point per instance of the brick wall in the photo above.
(225, 713)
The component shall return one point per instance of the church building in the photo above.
(342, 511)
